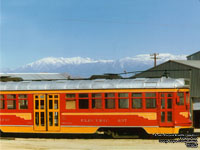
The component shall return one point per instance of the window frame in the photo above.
(84, 98)
(14, 104)
(141, 103)
(138, 97)
(123, 98)
(109, 95)
(110, 98)
(3, 102)
(14, 99)
(19, 105)
(71, 99)
(72, 108)
(25, 98)
(94, 98)
(153, 98)
(184, 98)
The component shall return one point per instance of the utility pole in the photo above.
(154, 56)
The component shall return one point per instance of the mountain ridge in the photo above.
(85, 66)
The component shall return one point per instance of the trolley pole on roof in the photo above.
(154, 56)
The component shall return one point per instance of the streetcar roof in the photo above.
(138, 83)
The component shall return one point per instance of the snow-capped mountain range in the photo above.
(85, 67)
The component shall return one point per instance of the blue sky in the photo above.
(99, 29)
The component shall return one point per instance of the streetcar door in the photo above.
(46, 112)
(165, 115)
(40, 112)
(53, 108)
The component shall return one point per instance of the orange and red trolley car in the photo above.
(118, 106)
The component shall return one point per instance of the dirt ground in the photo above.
(89, 144)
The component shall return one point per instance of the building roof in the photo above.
(139, 83)
(194, 54)
(35, 76)
(190, 63)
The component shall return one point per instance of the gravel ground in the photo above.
(88, 144)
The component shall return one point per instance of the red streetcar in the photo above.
(116, 107)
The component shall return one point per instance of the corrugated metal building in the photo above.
(189, 69)
(195, 56)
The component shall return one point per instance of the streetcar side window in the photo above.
(150, 94)
(136, 100)
(150, 100)
(96, 101)
(2, 102)
(110, 103)
(23, 102)
(181, 98)
(136, 94)
(70, 101)
(11, 104)
(83, 101)
(150, 103)
(83, 95)
(1, 96)
(70, 95)
(123, 95)
(96, 95)
(137, 103)
(124, 103)
(70, 104)
(11, 101)
(123, 100)
(22, 96)
(187, 98)
(110, 100)
(11, 96)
